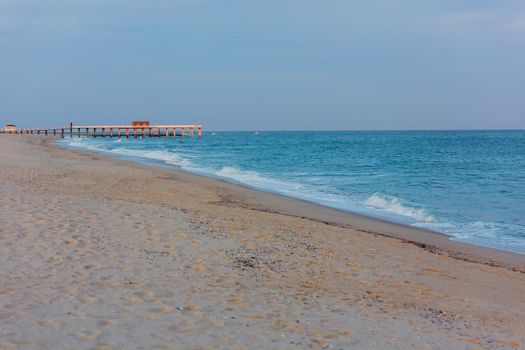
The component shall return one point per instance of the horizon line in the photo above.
(359, 130)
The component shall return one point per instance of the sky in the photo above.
(264, 64)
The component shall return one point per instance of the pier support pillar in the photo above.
(199, 132)
(191, 132)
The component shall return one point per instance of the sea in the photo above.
(467, 184)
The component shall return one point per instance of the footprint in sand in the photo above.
(187, 328)
(55, 258)
(145, 294)
(280, 324)
(257, 314)
(86, 335)
(91, 299)
(193, 309)
(181, 234)
(199, 265)
(71, 241)
(164, 309)
(106, 323)
(103, 347)
(47, 323)
(130, 300)
(238, 301)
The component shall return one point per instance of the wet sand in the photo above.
(102, 253)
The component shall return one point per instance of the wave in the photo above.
(394, 205)
(164, 156)
(289, 188)
(167, 157)
(484, 233)
(81, 143)
(247, 176)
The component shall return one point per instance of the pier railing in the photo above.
(127, 131)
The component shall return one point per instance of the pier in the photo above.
(140, 129)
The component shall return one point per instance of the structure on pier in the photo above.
(136, 129)
(140, 123)
(9, 128)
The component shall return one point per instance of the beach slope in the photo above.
(102, 253)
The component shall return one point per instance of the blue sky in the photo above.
(264, 65)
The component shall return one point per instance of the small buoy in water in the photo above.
(213, 134)
(256, 133)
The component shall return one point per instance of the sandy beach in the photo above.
(99, 253)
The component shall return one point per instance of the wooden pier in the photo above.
(139, 130)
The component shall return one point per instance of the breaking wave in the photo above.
(394, 205)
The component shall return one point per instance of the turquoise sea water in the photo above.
(469, 184)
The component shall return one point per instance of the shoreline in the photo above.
(98, 252)
(261, 200)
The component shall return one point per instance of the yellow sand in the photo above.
(101, 253)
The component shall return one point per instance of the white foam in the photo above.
(168, 157)
(484, 233)
(246, 176)
(289, 188)
(164, 156)
(81, 143)
(394, 205)
(255, 179)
